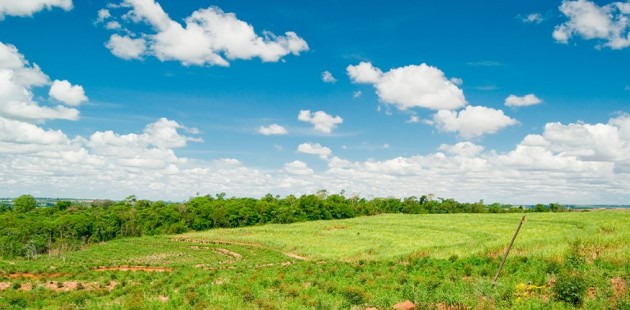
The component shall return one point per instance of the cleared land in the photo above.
(439, 235)
(435, 261)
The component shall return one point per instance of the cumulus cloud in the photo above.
(314, 149)
(570, 163)
(103, 14)
(522, 101)
(413, 86)
(30, 7)
(273, 129)
(17, 137)
(532, 18)
(364, 73)
(327, 77)
(321, 120)
(298, 167)
(72, 95)
(610, 23)
(413, 119)
(473, 121)
(466, 149)
(208, 37)
(126, 47)
(17, 80)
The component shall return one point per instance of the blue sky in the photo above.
(168, 99)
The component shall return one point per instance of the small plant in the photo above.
(570, 288)
(575, 259)
(468, 270)
(355, 295)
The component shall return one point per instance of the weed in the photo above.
(354, 295)
(570, 288)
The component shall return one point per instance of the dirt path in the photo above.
(29, 275)
(224, 251)
(201, 241)
(298, 257)
(229, 253)
(134, 268)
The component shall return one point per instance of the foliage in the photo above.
(24, 203)
(570, 288)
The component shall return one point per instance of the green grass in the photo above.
(432, 260)
(383, 237)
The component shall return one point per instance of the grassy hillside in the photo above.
(440, 235)
(435, 261)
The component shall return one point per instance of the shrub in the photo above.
(354, 294)
(570, 288)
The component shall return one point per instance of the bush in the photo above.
(570, 288)
(355, 295)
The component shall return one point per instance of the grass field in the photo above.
(435, 261)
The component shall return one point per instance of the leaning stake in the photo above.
(507, 251)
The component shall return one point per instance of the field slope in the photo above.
(388, 236)
(435, 261)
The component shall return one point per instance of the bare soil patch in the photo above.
(28, 275)
(620, 287)
(230, 253)
(201, 241)
(4, 286)
(405, 305)
(298, 257)
(26, 287)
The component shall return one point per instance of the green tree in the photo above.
(24, 203)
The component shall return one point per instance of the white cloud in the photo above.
(570, 163)
(327, 77)
(103, 14)
(113, 25)
(411, 86)
(527, 100)
(23, 73)
(125, 47)
(473, 121)
(72, 95)
(209, 37)
(609, 23)
(413, 119)
(466, 149)
(532, 18)
(17, 137)
(457, 81)
(30, 7)
(314, 149)
(357, 94)
(364, 73)
(321, 121)
(17, 79)
(273, 129)
(298, 167)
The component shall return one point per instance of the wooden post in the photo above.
(507, 251)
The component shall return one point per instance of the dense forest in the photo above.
(27, 230)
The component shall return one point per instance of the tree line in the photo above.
(28, 231)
